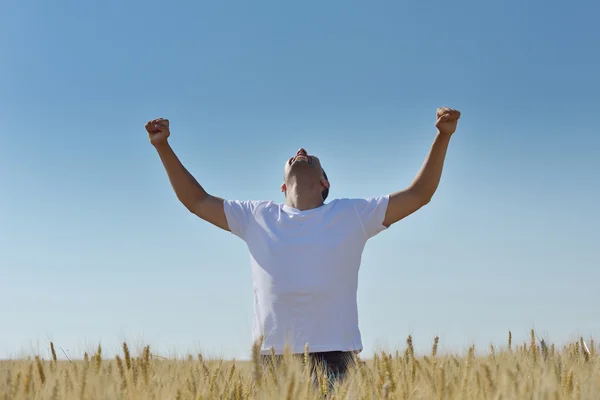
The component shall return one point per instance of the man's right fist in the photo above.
(158, 131)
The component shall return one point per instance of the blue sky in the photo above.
(94, 246)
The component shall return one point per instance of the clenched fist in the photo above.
(447, 119)
(158, 131)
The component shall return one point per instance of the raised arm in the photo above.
(419, 193)
(188, 190)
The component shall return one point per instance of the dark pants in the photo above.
(334, 363)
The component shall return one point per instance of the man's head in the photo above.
(305, 171)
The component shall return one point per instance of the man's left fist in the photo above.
(447, 119)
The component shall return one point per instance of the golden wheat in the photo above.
(531, 372)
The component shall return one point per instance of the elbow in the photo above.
(195, 205)
(424, 199)
(421, 195)
(189, 205)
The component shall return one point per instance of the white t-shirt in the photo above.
(305, 269)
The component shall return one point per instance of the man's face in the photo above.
(305, 167)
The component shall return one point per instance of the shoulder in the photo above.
(251, 206)
(359, 204)
(241, 213)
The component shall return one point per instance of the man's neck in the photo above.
(303, 198)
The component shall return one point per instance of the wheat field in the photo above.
(531, 370)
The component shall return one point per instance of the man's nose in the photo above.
(301, 152)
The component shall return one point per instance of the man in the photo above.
(305, 254)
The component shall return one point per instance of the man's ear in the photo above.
(283, 188)
(325, 183)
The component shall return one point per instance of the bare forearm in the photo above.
(187, 189)
(405, 202)
(427, 180)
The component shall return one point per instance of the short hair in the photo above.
(325, 191)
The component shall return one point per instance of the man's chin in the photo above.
(302, 164)
(303, 169)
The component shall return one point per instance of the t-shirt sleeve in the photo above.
(240, 215)
(371, 212)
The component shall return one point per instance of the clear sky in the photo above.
(95, 247)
